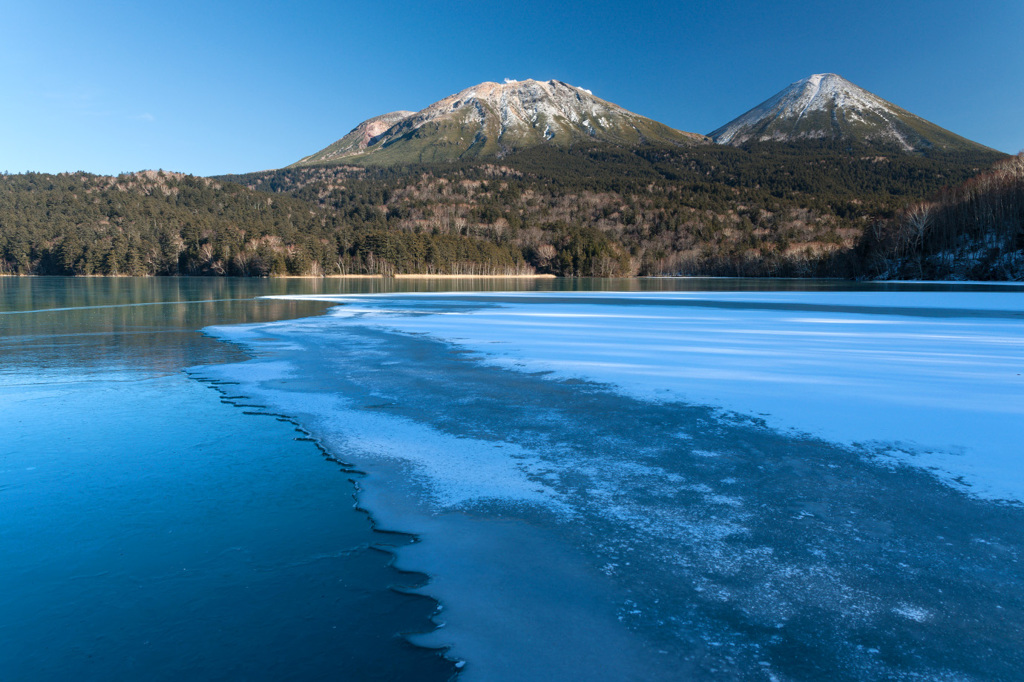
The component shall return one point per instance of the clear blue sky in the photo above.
(225, 87)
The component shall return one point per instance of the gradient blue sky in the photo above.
(227, 87)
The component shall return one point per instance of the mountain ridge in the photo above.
(361, 137)
(493, 119)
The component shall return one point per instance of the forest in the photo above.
(157, 223)
(973, 231)
(769, 210)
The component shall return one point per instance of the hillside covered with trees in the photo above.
(157, 223)
(767, 210)
(971, 231)
(597, 210)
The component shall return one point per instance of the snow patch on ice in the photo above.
(454, 472)
(914, 613)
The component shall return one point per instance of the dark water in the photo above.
(152, 529)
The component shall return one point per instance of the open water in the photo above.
(154, 527)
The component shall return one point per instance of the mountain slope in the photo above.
(493, 119)
(361, 137)
(827, 107)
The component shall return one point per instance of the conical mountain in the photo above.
(827, 107)
(494, 119)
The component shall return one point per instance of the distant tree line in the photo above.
(769, 210)
(157, 223)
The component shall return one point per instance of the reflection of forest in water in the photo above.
(107, 324)
(49, 323)
(101, 322)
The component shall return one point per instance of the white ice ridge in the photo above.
(939, 386)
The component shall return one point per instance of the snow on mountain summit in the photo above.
(492, 119)
(825, 106)
(524, 104)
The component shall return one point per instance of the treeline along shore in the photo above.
(596, 211)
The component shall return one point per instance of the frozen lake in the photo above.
(762, 485)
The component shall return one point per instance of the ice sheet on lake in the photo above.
(623, 529)
(933, 385)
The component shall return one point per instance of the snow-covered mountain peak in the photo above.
(825, 106)
(493, 119)
(521, 104)
(818, 92)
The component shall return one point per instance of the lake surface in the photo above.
(151, 528)
(633, 479)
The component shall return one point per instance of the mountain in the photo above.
(827, 107)
(493, 119)
(581, 196)
(361, 137)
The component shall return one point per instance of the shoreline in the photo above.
(473, 276)
(417, 276)
(377, 276)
